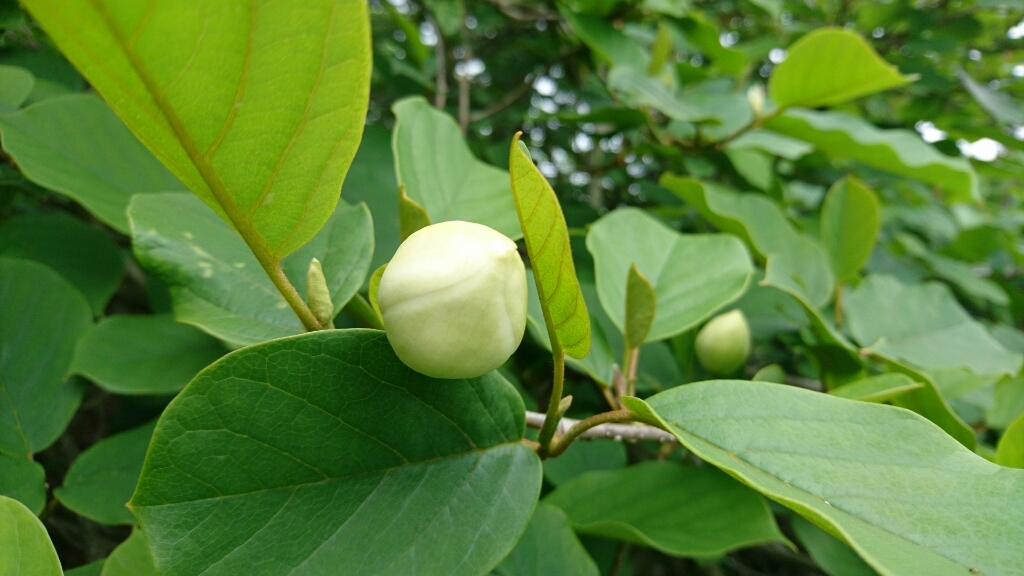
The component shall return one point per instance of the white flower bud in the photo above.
(723, 344)
(453, 300)
(756, 98)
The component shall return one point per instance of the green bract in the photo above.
(723, 344)
(454, 300)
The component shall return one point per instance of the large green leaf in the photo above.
(801, 267)
(693, 274)
(84, 255)
(439, 172)
(144, 354)
(216, 282)
(25, 547)
(585, 456)
(24, 480)
(101, 480)
(922, 505)
(131, 558)
(925, 326)
(834, 557)
(408, 474)
(830, 66)
(684, 511)
(850, 217)
(901, 152)
(257, 107)
(548, 547)
(77, 146)
(547, 243)
(41, 319)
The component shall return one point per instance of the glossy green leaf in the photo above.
(61, 144)
(925, 326)
(84, 255)
(1008, 402)
(440, 173)
(834, 557)
(923, 505)
(143, 354)
(756, 167)
(585, 456)
(879, 388)
(850, 218)
(548, 547)
(41, 319)
(693, 274)
(547, 243)
(25, 547)
(131, 558)
(1000, 105)
(231, 479)
(264, 140)
(15, 86)
(657, 366)
(1010, 450)
(641, 304)
(683, 511)
(23, 480)
(216, 282)
(830, 66)
(101, 480)
(411, 216)
(900, 152)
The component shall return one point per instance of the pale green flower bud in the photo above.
(453, 300)
(723, 344)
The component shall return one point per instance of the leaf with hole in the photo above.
(217, 284)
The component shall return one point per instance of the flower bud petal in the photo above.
(453, 300)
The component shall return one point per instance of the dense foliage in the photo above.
(773, 252)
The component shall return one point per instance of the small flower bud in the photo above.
(318, 295)
(723, 344)
(453, 300)
(756, 97)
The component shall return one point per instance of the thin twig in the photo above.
(441, 74)
(505, 102)
(621, 432)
